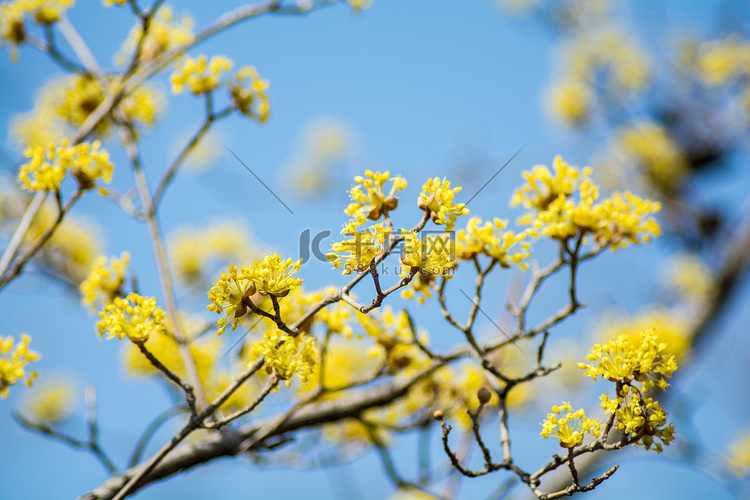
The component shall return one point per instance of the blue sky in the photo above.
(426, 85)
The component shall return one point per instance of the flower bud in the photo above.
(484, 395)
(438, 415)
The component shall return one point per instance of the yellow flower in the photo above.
(11, 23)
(738, 459)
(358, 5)
(227, 295)
(51, 401)
(360, 248)
(719, 61)
(490, 240)
(199, 75)
(569, 427)
(437, 197)
(569, 101)
(671, 327)
(164, 33)
(639, 416)
(134, 317)
(373, 202)
(38, 127)
(294, 356)
(274, 276)
(13, 363)
(392, 334)
(104, 282)
(690, 278)
(565, 205)
(46, 169)
(625, 360)
(248, 93)
(434, 254)
(650, 147)
(542, 187)
(271, 276)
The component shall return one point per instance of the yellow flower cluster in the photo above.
(369, 197)
(64, 104)
(721, 61)
(271, 276)
(618, 221)
(568, 426)
(43, 11)
(199, 75)
(490, 239)
(593, 55)
(164, 33)
(671, 326)
(346, 362)
(690, 278)
(542, 187)
(287, 356)
(47, 167)
(437, 197)
(639, 416)
(433, 254)
(360, 248)
(134, 316)
(51, 401)
(650, 148)
(569, 101)
(104, 281)
(625, 360)
(195, 251)
(248, 93)
(738, 459)
(13, 363)
(109, 3)
(358, 5)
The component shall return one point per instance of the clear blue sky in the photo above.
(426, 84)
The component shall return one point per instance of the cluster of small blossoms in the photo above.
(722, 61)
(641, 417)
(164, 33)
(199, 75)
(566, 205)
(287, 356)
(51, 402)
(433, 254)
(593, 56)
(13, 363)
(248, 93)
(690, 278)
(271, 276)
(624, 361)
(104, 281)
(12, 15)
(649, 147)
(134, 317)
(490, 239)
(738, 458)
(437, 198)
(361, 247)
(47, 167)
(568, 426)
(369, 197)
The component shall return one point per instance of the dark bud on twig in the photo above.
(484, 395)
(438, 415)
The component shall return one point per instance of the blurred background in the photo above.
(653, 94)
